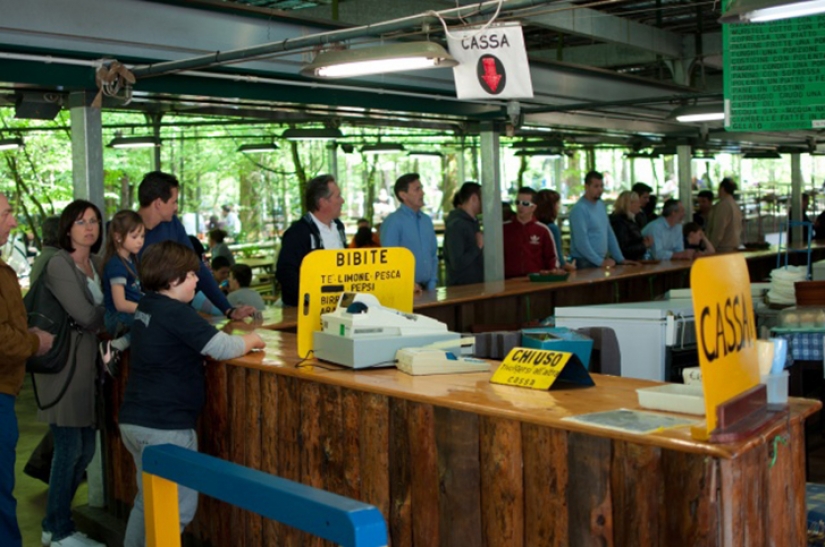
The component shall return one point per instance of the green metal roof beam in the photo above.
(292, 44)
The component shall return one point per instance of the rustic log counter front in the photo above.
(456, 461)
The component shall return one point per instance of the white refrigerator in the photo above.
(648, 332)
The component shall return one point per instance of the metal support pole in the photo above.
(87, 149)
(796, 197)
(685, 178)
(491, 203)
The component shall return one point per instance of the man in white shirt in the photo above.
(318, 229)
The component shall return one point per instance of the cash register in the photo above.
(361, 333)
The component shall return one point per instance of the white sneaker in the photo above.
(46, 538)
(77, 539)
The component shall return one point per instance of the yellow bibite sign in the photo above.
(386, 272)
(539, 369)
(725, 331)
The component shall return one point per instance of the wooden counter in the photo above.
(456, 461)
(517, 301)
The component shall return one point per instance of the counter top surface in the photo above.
(287, 318)
(474, 393)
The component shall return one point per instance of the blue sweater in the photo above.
(174, 231)
(591, 234)
(414, 231)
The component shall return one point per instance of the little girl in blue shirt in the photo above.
(121, 285)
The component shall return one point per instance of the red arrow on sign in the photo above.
(491, 75)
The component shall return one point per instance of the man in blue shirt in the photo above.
(591, 236)
(158, 196)
(409, 227)
(666, 231)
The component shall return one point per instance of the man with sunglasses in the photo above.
(591, 236)
(528, 244)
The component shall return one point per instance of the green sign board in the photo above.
(774, 75)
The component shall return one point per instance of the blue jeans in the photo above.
(9, 531)
(136, 438)
(74, 448)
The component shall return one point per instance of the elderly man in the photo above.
(318, 229)
(590, 231)
(724, 227)
(412, 228)
(17, 344)
(666, 232)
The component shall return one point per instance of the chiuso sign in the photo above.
(492, 63)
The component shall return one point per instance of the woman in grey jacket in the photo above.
(73, 277)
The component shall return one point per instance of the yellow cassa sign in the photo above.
(386, 272)
(539, 369)
(725, 331)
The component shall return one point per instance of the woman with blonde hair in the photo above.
(628, 233)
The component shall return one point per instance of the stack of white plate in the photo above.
(782, 284)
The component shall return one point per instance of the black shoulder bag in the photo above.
(45, 312)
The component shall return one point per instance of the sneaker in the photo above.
(110, 357)
(46, 538)
(78, 539)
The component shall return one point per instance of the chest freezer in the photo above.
(648, 332)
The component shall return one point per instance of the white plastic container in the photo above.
(673, 398)
(777, 386)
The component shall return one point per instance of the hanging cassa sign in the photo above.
(492, 63)
(386, 272)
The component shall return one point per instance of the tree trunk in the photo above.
(449, 182)
(369, 186)
(249, 204)
(522, 168)
(300, 173)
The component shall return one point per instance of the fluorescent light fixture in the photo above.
(762, 11)
(698, 113)
(664, 151)
(252, 148)
(134, 142)
(762, 155)
(543, 145)
(11, 144)
(424, 153)
(386, 148)
(382, 59)
(549, 153)
(311, 134)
